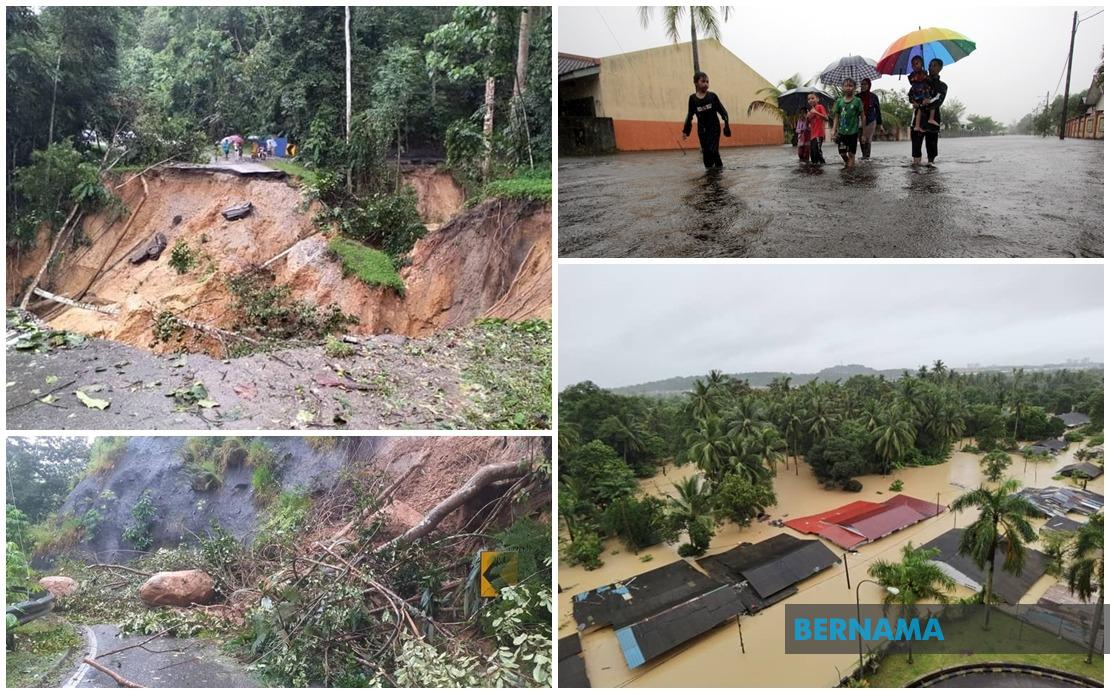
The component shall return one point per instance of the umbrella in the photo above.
(929, 43)
(793, 99)
(855, 66)
(233, 139)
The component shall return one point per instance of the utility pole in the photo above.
(1067, 83)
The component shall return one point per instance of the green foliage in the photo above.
(994, 464)
(519, 188)
(17, 570)
(369, 265)
(741, 500)
(37, 649)
(284, 518)
(638, 522)
(206, 459)
(584, 550)
(389, 222)
(182, 258)
(509, 374)
(896, 486)
(269, 313)
(601, 472)
(139, 532)
(105, 453)
(337, 349)
(1075, 436)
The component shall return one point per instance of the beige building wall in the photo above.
(646, 92)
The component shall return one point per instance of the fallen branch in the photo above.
(67, 226)
(135, 645)
(213, 330)
(120, 679)
(143, 172)
(484, 476)
(121, 568)
(107, 310)
(42, 395)
(119, 240)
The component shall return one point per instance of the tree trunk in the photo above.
(54, 98)
(988, 590)
(694, 41)
(485, 476)
(1095, 622)
(70, 222)
(487, 120)
(522, 52)
(347, 41)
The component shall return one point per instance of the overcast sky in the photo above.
(1020, 54)
(626, 324)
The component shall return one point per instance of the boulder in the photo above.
(178, 588)
(59, 586)
(152, 250)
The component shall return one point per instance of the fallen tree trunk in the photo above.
(485, 476)
(107, 310)
(66, 226)
(120, 679)
(119, 240)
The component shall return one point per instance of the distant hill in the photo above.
(841, 372)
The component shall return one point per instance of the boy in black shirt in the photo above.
(705, 105)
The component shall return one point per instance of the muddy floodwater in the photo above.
(1011, 196)
(715, 659)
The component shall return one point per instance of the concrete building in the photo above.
(637, 101)
(1089, 125)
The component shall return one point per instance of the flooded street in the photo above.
(715, 658)
(1012, 196)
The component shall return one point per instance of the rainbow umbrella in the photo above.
(929, 43)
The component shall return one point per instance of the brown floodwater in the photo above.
(715, 659)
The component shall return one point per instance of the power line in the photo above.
(598, 10)
(1090, 16)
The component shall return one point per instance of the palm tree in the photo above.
(1084, 573)
(1019, 399)
(768, 101)
(743, 459)
(821, 417)
(749, 418)
(703, 401)
(916, 578)
(709, 447)
(768, 444)
(791, 425)
(703, 19)
(892, 435)
(692, 506)
(1003, 521)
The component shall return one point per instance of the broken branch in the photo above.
(120, 679)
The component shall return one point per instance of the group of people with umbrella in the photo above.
(234, 143)
(856, 113)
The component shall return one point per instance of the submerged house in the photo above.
(1074, 419)
(1047, 447)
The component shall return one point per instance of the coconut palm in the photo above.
(703, 20)
(821, 417)
(703, 400)
(916, 579)
(1085, 572)
(768, 101)
(693, 507)
(768, 444)
(792, 415)
(748, 418)
(1019, 398)
(708, 447)
(743, 459)
(1003, 522)
(893, 435)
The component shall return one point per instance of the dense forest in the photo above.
(92, 89)
(740, 437)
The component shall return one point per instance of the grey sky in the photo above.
(1020, 51)
(626, 324)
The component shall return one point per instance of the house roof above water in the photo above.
(772, 565)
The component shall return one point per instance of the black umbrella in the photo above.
(793, 99)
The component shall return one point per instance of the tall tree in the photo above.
(1003, 522)
(703, 19)
(1085, 572)
(916, 578)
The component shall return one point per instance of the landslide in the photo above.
(491, 261)
(324, 469)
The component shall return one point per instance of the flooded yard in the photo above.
(1012, 196)
(715, 658)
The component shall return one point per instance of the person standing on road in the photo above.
(930, 131)
(816, 118)
(706, 106)
(801, 134)
(847, 121)
(872, 117)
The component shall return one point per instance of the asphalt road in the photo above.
(1009, 196)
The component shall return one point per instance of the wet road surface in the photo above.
(163, 662)
(1011, 196)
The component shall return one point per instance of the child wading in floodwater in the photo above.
(848, 121)
(801, 132)
(706, 106)
(816, 119)
(921, 92)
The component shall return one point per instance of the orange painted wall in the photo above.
(633, 135)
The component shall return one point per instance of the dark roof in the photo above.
(1057, 501)
(572, 667)
(1088, 470)
(772, 565)
(635, 598)
(1074, 419)
(1051, 444)
(1006, 584)
(568, 63)
(656, 635)
(1062, 524)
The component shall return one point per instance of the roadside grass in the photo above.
(522, 187)
(509, 376)
(370, 265)
(42, 652)
(894, 671)
(305, 174)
